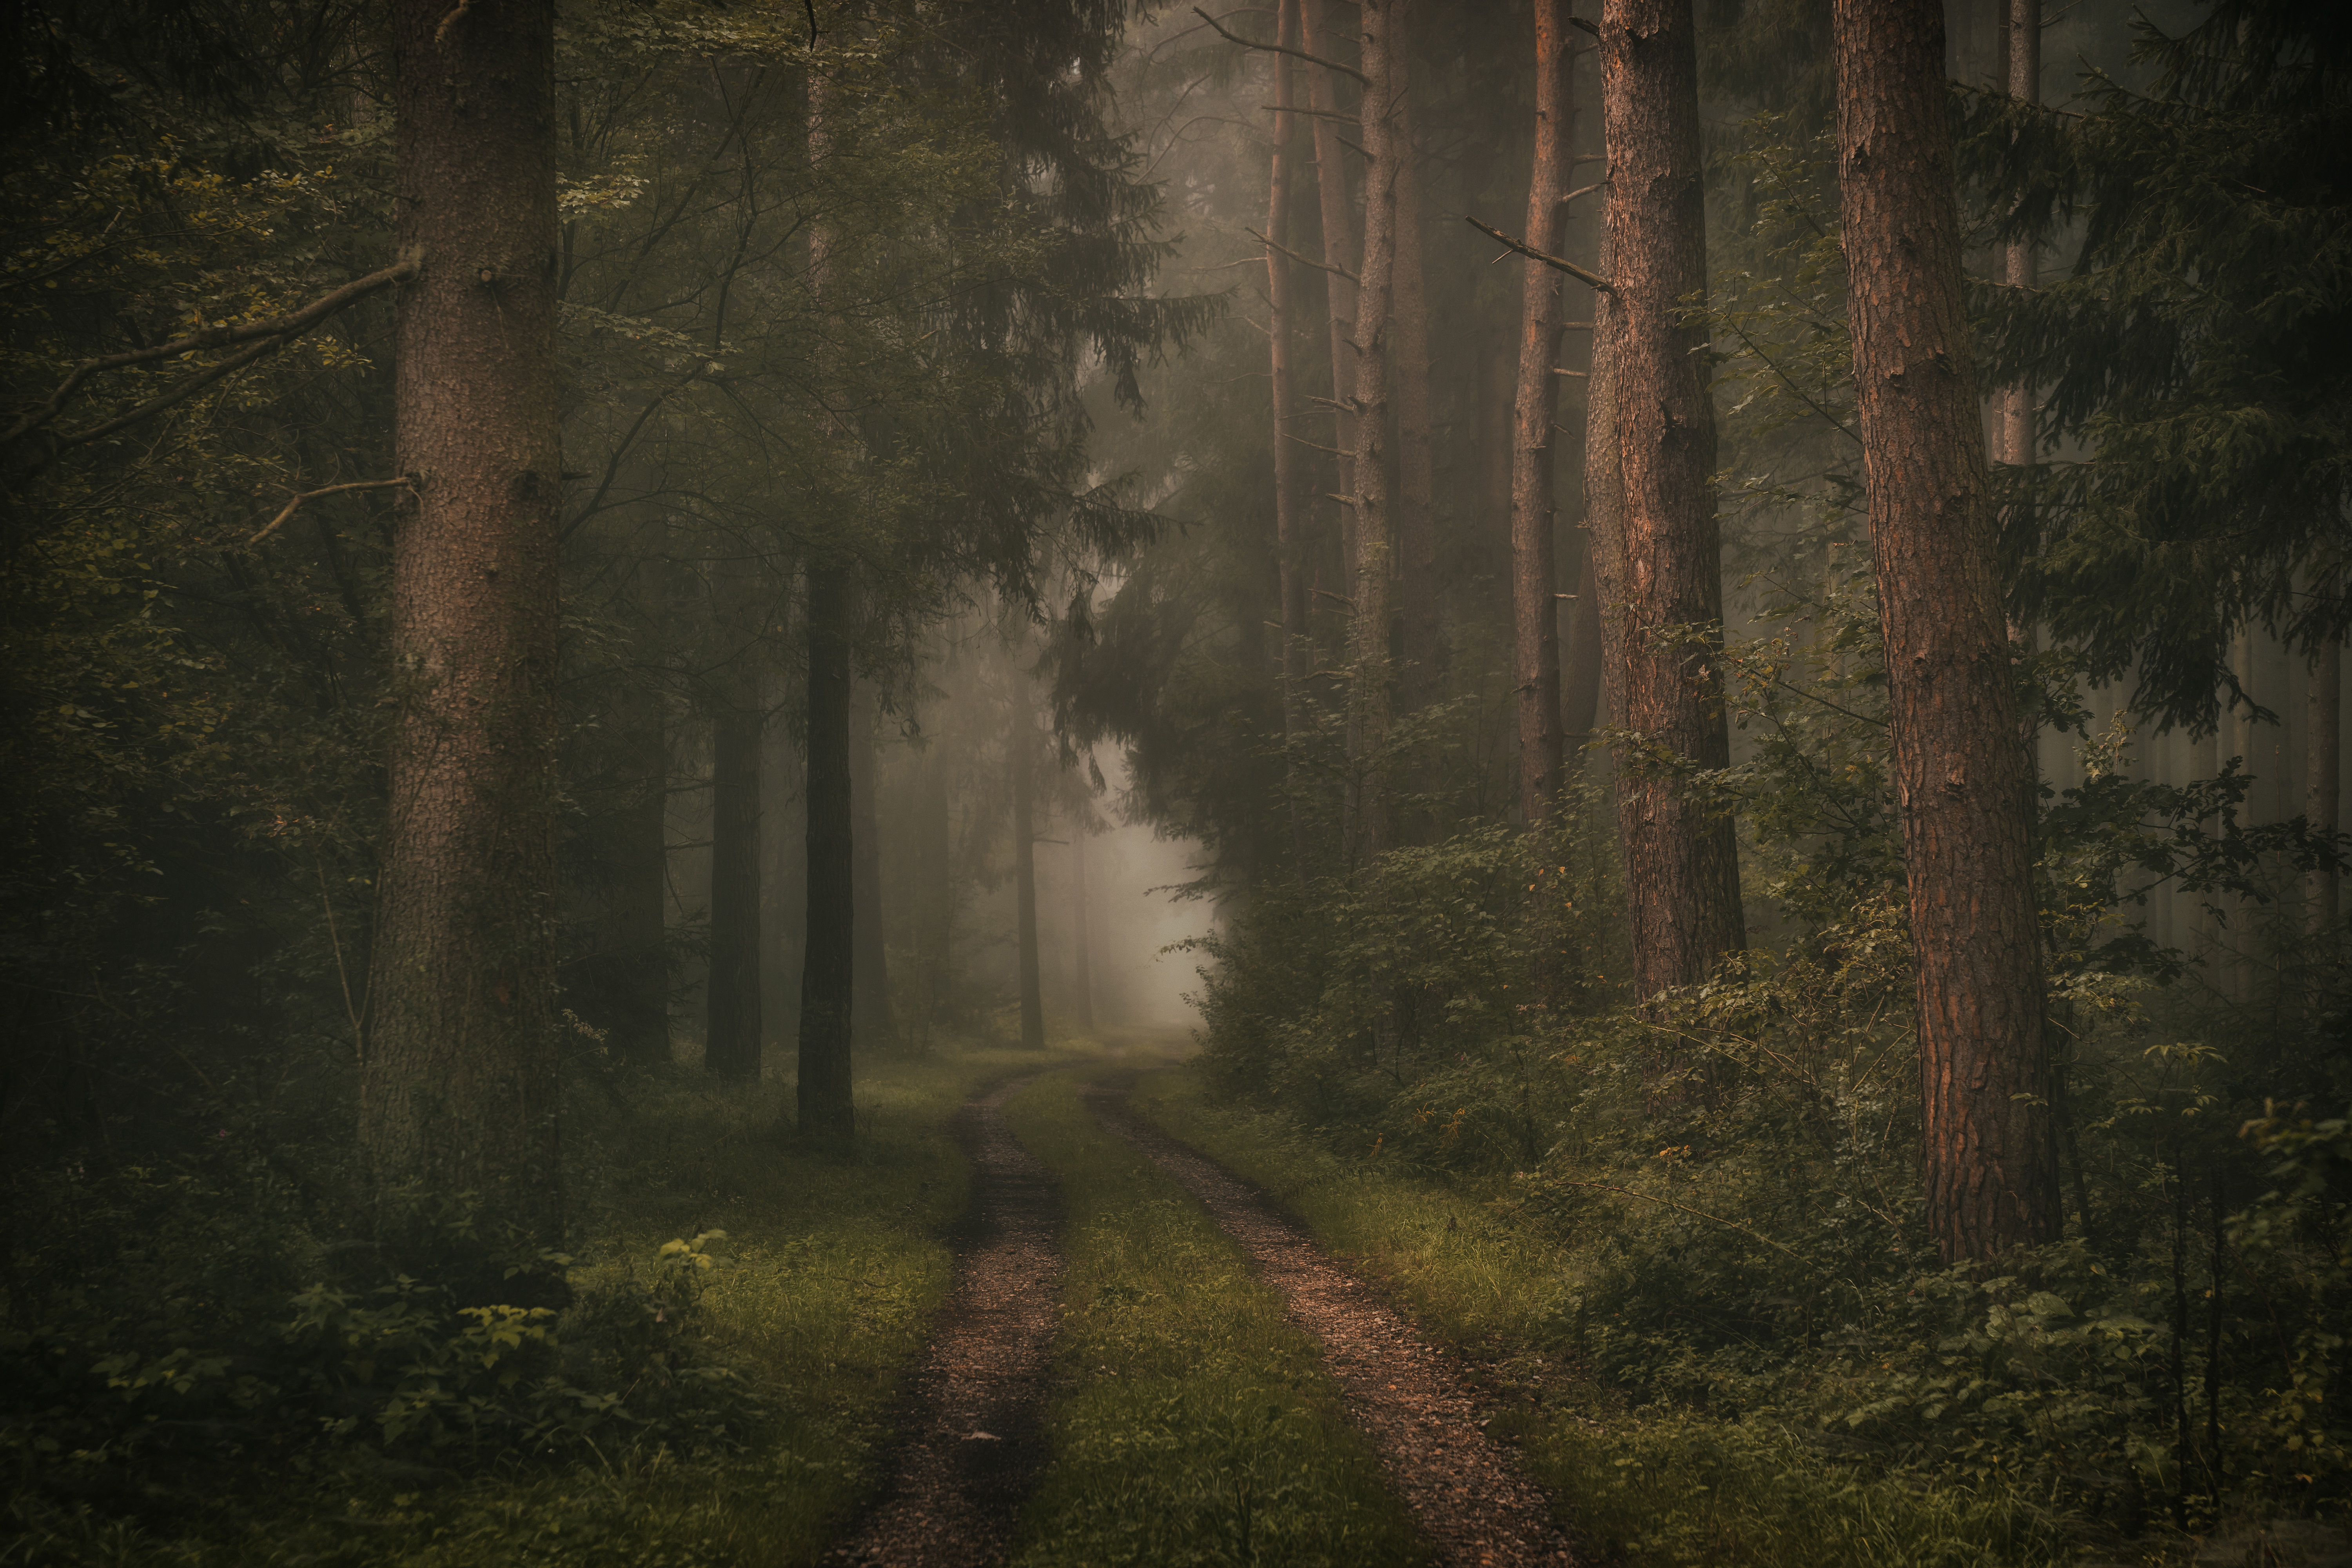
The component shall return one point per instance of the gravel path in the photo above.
(972, 1435)
(1413, 1399)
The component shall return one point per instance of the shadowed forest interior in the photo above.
(882, 781)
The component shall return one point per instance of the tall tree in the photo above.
(826, 1112)
(731, 1029)
(458, 1080)
(2021, 67)
(1367, 707)
(876, 1025)
(1341, 258)
(1682, 860)
(1021, 754)
(1082, 964)
(1535, 618)
(1291, 467)
(1415, 561)
(1990, 1160)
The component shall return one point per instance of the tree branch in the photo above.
(1279, 49)
(276, 334)
(1307, 260)
(1578, 23)
(292, 506)
(1593, 280)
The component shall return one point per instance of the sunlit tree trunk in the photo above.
(1682, 862)
(1021, 746)
(457, 1090)
(1990, 1158)
(1535, 616)
(1291, 467)
(731, 1031)
(877, 1026)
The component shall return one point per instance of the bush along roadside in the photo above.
(193, 1376)
(1193, 1426)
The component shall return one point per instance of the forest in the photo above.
(1097, 782)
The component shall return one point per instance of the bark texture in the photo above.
(1082, 966)
(2322, 751)
(1682, 862)
(1291, 467)
(1022, 744)
(458, 1077)
(828, 1002)
(870, 963)
(1990, 1158)
(1535, 616)
(1369, 700)
(732, 1034)
(1324, 97)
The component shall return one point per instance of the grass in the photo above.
(1647, 1486)
(832, 1268)
(1193, 1424)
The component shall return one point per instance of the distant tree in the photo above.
(458, 1090)
(1989, 1152)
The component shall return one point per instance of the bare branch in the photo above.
(1307, 260)
(1278, 49)
(1581, 275)
(292, 506)
(276, 333)
(1580, 25)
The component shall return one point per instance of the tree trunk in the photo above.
(731, 1050)
(1290, 465)
(639, 989)
(1580, 678)
(935, 916)
(1990, 1160)
(1082, 968)
(1339, 250)
(877, 1025)
(1535, 616)
(2022, 25)
(2323, 753)
(1415, 564)
(1682, 862)
(1604, 497)
(1022, 744)
(827, 969)
(457, 1090)
(1367, 707)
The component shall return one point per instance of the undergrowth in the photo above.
(713, 1392)
(1192, 1425)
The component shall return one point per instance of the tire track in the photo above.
(1412, 1400)
(972, 1438)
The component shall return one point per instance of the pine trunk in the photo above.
(2323, 753)
(827, 969)
(1290, 465)
(1580, 676)
(2022, 26)
(1367, 707)
(1022, 742)
(1415, 566)
(877, 1025)
(1990, 1158)
(1082, 967)
(1534, 615)
(1339, 250)
(639, 989)
(731, 1051)
(1682, 862)
(457, 1090)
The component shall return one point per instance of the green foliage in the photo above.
(1197, 1427)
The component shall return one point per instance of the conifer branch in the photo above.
(275, 333)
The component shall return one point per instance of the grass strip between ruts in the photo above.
(1193, 1424)
(1648, 1487)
